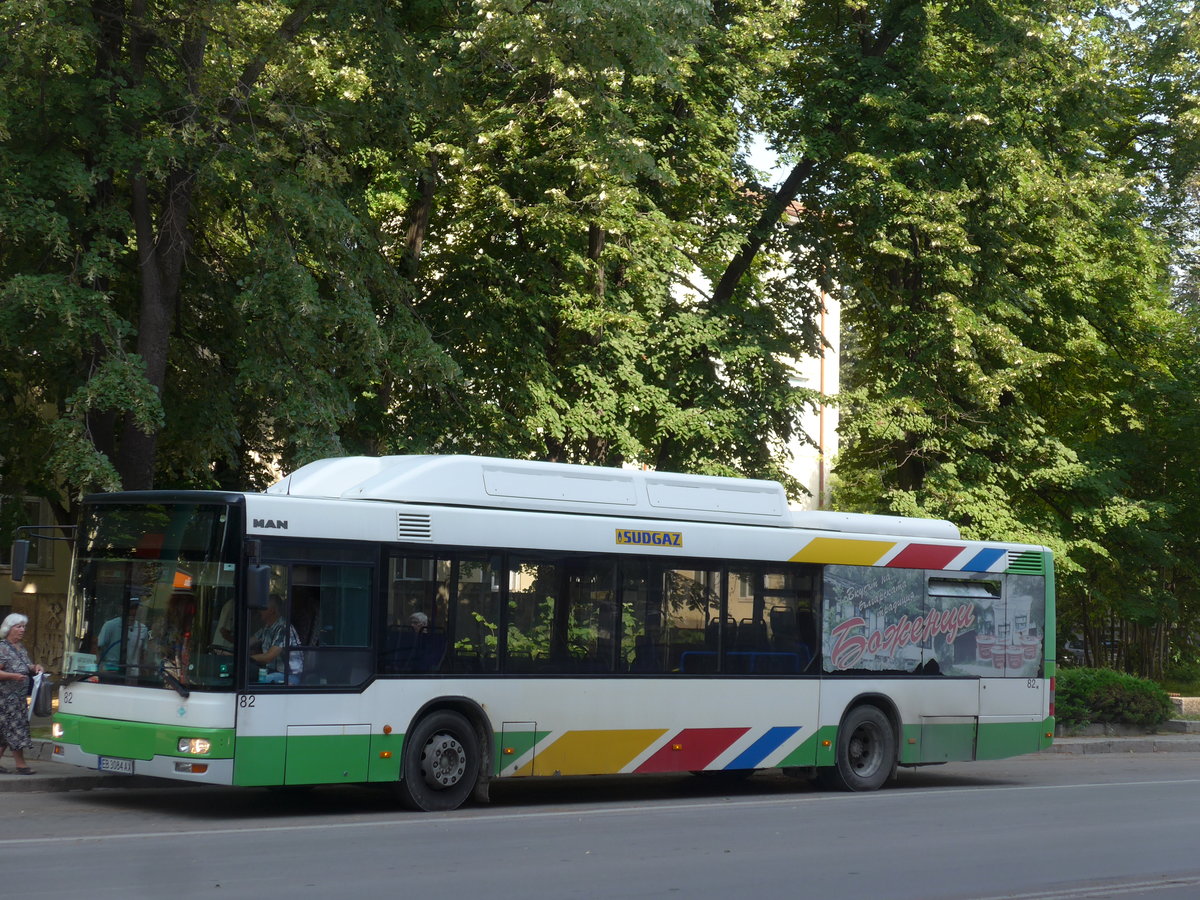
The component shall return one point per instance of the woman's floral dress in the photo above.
(14, 706)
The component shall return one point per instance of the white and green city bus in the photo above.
(456, 619)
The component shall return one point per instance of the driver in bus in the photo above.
(276, 663)
(136, 637)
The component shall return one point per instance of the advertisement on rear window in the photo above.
(932, 623)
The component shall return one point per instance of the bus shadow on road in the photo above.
(259, 805)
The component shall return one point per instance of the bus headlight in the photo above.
(56, 731)
(194, 745)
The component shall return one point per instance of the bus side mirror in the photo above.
(20, 556)
(258, 585)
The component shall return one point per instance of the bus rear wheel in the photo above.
(441, 763)
(866, 751)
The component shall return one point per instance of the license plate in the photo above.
(113, 764)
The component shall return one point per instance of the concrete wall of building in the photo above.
(810, 465)
(41, 596)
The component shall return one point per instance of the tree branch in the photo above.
(771, 214)
(254, 68)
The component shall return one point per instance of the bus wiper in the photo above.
(179, 687)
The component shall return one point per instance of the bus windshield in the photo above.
(152, 596)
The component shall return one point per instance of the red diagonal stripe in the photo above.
(924, 556)
(691, 749)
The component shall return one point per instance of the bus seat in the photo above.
(430, 650)
(785, 633)
(740, 663)
(399, 646)
(720, 632)
(752, 636)
(405, 650)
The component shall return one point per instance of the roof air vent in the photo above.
(415, 527)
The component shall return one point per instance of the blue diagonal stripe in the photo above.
(983, 560)
(753, 755)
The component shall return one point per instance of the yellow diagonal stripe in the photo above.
(844, 552)
(591, 752)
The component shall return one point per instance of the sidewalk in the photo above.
(54, 776)
(1131, 743)
(49, 775)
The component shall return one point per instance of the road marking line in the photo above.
(471, 816)
(1101, 891)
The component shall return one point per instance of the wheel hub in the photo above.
(444, 761)
(863, 751)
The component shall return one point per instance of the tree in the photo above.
(185, 267)
(246, 235)
(979, 181)
(584, 182)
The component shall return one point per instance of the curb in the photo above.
(56, 776)
(1149, 743)
(1173, 736)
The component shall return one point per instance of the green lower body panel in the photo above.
(327, 759)
(139, 740)
(827, 746)
(259, 761)
(303, 758)
(958, 739)
(385, 757)
(1013, 739)
(940, 742)
(804, 755)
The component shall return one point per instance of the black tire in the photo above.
(441, 763)
(866, 751)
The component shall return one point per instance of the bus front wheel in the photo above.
(441, 763)
(866, 751)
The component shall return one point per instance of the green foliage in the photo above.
(244, 235)
(1085, 696)
(238, 236)
(995, 182)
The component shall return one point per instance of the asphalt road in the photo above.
(1052, 826)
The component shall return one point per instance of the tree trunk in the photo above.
(163, 246)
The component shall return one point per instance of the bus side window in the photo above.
(473, 646)
(418, 604)
(331, 612)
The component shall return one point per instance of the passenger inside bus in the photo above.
(172, 635)
(415, 648)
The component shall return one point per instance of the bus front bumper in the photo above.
(197, 770)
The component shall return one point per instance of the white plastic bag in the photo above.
(42, 699)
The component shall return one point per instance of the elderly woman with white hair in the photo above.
(16, 669)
